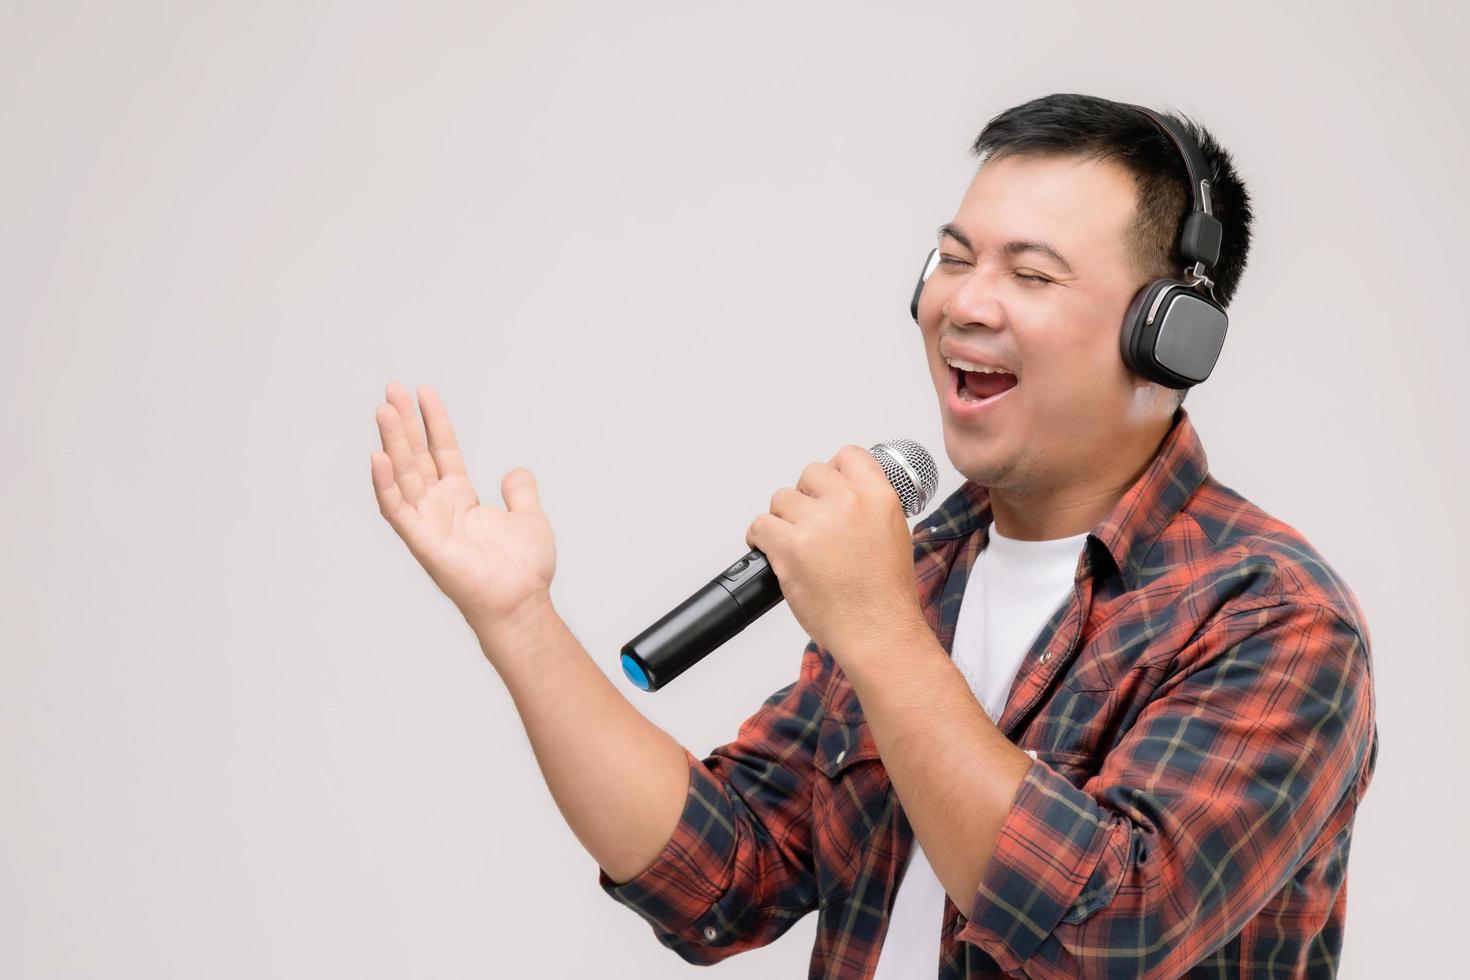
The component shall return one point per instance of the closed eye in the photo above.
(946, 260)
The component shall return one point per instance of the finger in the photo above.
(395, 444)
(442, 443)
(766, 532)
(792, 505)
(819, 479)
(859, 465)
(390, 499)
(413, 430)
(518, 487)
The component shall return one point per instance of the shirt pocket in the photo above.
(851, 798)
(1079, 726)
(1069, 733)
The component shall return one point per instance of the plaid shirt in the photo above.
(1201, 716)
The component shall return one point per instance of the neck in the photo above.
(1077, 506)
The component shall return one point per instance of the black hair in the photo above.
(1100, 129)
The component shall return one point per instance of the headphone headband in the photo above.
(1199, 238)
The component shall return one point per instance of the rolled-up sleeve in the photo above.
(737, 872)
(1256, 742)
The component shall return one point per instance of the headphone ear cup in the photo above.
(1172, 334)
(1133, 329)
(929, 264)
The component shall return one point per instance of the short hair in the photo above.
(1094, 128)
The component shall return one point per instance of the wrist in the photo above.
(905, 629)
(513, 634)
(890, 658)
(876, 647)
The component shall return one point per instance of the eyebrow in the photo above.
(1009, 248)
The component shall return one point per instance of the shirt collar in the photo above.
(1128, 532)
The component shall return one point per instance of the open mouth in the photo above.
(978, 387)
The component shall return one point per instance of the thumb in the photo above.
(518, 487)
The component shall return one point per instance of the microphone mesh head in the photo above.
(911, 470)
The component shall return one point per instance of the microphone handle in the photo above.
(733, 600)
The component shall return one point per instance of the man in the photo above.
(1097, 715)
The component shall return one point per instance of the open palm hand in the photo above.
(492, 562)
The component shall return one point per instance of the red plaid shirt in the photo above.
(1201, 714)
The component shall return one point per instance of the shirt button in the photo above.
(840, 756)
(710, 932)
(1046, 656)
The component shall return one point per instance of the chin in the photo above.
(972, 462)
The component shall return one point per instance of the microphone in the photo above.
(747, 589)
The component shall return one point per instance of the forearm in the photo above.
(955, 773)
(619, 780)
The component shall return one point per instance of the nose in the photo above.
(973, 300)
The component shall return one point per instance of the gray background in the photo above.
(662, 256)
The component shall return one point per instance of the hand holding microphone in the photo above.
(837, 548)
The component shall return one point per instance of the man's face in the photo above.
(1075, 401)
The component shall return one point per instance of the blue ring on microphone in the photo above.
(635, 672)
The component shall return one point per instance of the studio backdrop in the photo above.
(661, 255)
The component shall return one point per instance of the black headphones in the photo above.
(1172, 332)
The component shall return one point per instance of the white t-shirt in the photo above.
(1013, 590)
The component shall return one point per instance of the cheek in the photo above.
(1071, 371)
